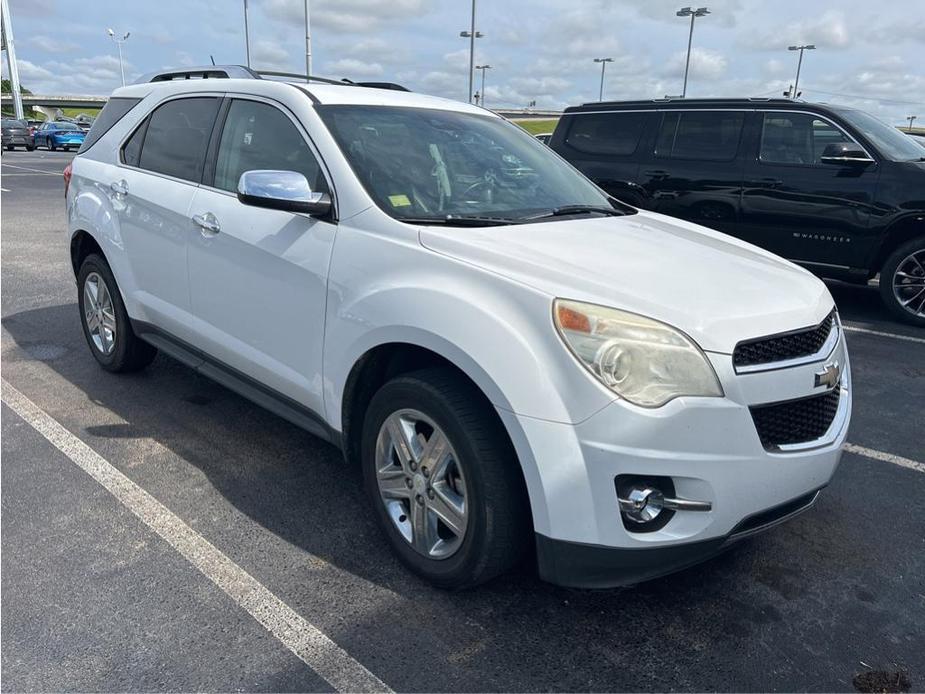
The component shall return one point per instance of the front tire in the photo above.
(51, 145)
(902, 282)
(444, 480)
(105, 322)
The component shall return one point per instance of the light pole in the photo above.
(911, 121)
(308, 43)
(693, 14)
(483, 68)
(247, 39)
(796, 85)
(472, 35)
(119, 43)
(11, 63)
(603, 62)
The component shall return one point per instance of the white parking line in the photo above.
(5, 190)
(907, 338)
(885, 457)
(306, 641)
(30, 169)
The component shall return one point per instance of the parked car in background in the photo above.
(831, 188)
(918, 138)
(544, 137)
(16, 133)
(59, 135)
(514, 360)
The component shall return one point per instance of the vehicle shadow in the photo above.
(861, 303)
(299, 488)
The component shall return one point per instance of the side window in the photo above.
(177, 137)
(260, 136)
(131, 150)
(700, 135)
(111, 114)
(606, 133)
(797, 138)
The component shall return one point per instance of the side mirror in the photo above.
(841, 153)
(282, 190)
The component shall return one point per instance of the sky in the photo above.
(869, 55)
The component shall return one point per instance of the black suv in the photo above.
(831, 188)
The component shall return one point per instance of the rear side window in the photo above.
(176, 137)
(606, 133)
(111, 114)
(700, 135)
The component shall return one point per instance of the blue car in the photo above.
(59, 134)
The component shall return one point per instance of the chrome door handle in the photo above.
(119, 187)
(207, 222)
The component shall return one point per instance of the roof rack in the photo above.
(242, 72)
(679, 99)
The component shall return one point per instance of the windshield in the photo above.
(891, 142)
(429, 164)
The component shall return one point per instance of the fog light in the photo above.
(643, 504)
(646, 506)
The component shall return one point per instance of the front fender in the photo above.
(500, 333)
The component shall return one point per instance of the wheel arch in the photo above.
(387, 360)
(900, 231)
(83, 244)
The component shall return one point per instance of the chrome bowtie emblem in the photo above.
(829, 376)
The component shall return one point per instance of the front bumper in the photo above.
(578, 565)
(708, 447)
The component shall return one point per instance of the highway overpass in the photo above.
(48, 105)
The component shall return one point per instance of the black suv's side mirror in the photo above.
(282, 190)
(842, 153)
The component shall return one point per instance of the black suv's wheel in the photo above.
(105, 323)
(444, 479)
(902, 282)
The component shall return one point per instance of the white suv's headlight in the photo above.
(640, 359)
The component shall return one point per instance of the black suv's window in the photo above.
(797, 138)
(700, 135)
(259, 136)
(176, 137)
(606, 133)
(111, 114)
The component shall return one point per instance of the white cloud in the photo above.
(269, 55)
(705, 64)
(352, 68)
(52, 45)
(345, 15)
(828, 30)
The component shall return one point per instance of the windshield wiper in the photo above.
(565, 210)
(459, 220)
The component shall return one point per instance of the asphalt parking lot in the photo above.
(94, 599)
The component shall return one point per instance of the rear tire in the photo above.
(116, 348)
(30, 148)
(51, 145)
(902, 282)
(488, 484)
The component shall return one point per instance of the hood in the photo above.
(717, 289)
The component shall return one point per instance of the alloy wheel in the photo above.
(99, 313)
(909, 283)
(422, 483)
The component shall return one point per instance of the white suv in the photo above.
(518, 362)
